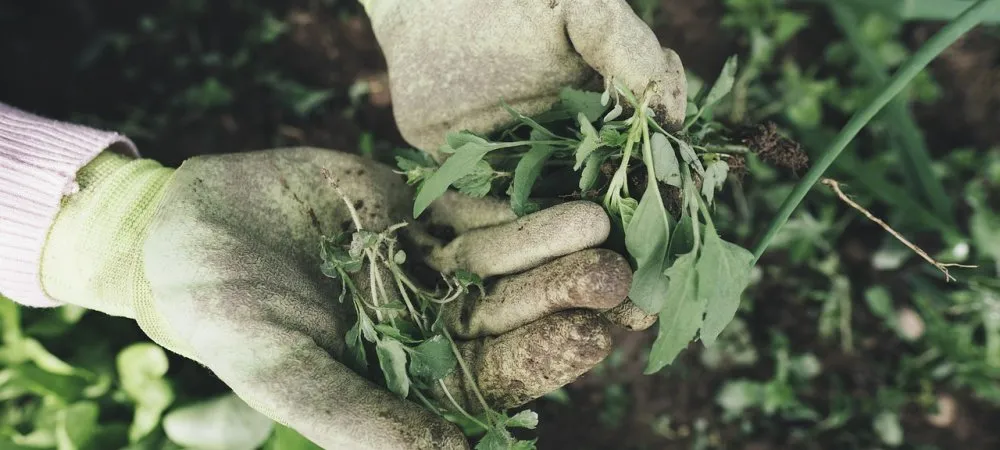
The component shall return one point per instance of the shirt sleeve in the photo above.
(39, 159)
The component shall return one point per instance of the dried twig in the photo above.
(943, 267)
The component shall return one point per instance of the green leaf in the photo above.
(582, 102)
(495, 439)
(665, 164)
(887, 426)
(477, 183)
(392, 360)
(285, 438)
(680, 318)
(592, 169)
(715, 178)
(535, 126)
(646, 239)
(141, 368)
(524, 445)
(626, 208)
(432, 360)
(612, 138)
(591, 141)
(357, 357)
(723, 84)
(527, 171)
(723, 274)
(457, 140)
(460, 164)
(524, 419)
(222, 423)
(468, 279)
(415, 164)
(689, 156)
(76, 425)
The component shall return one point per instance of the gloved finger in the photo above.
(526, 242)
(463, 213)
(629, 316)
(531, 361)
(619, 45)
(595, 279)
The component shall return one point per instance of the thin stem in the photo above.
(933, 47)
(465, 369)
(454, 403)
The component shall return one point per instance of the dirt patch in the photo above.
(968, 112)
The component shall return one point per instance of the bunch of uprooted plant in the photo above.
(657, 185)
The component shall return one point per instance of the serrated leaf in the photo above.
(723, 274)
(524, 445)
(525, 174)
(723, 84)
(392, 360)
(715, 178)
(222, 423)
(433, 359)
(524, 419)
(612, 137)
(401, 335)
(477, 183)
(665, 164)
(460, 164)
(582, 102)
(681, 316)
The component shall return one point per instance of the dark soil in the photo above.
(41, 44)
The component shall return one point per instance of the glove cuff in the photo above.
(93, 254)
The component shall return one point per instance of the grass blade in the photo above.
(933, 47)
(910, 141)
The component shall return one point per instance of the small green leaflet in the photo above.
(392, 360)
(665, 164)
(478, 182)
(416, 165)
(646, 238)
(457, 140)
(535, 126)
(524, 419)
(680, 318)
(723, 84)
(460, 164)
(715, 178)
(582, 102)
(432, 360)
(723, 274)
(527, 171)
(591, 141)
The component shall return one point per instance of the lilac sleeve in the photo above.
(39, 159)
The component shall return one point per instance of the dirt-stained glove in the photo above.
(219, 261)
(451, 61)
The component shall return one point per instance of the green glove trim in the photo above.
(93, 256)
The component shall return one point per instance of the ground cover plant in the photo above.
(845, 338)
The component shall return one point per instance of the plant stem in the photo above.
(933, 47)
(465, 369)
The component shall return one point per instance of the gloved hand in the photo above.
(219, 261)
(451, 61)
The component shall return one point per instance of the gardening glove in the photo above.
(450, 62)
(219, 261)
